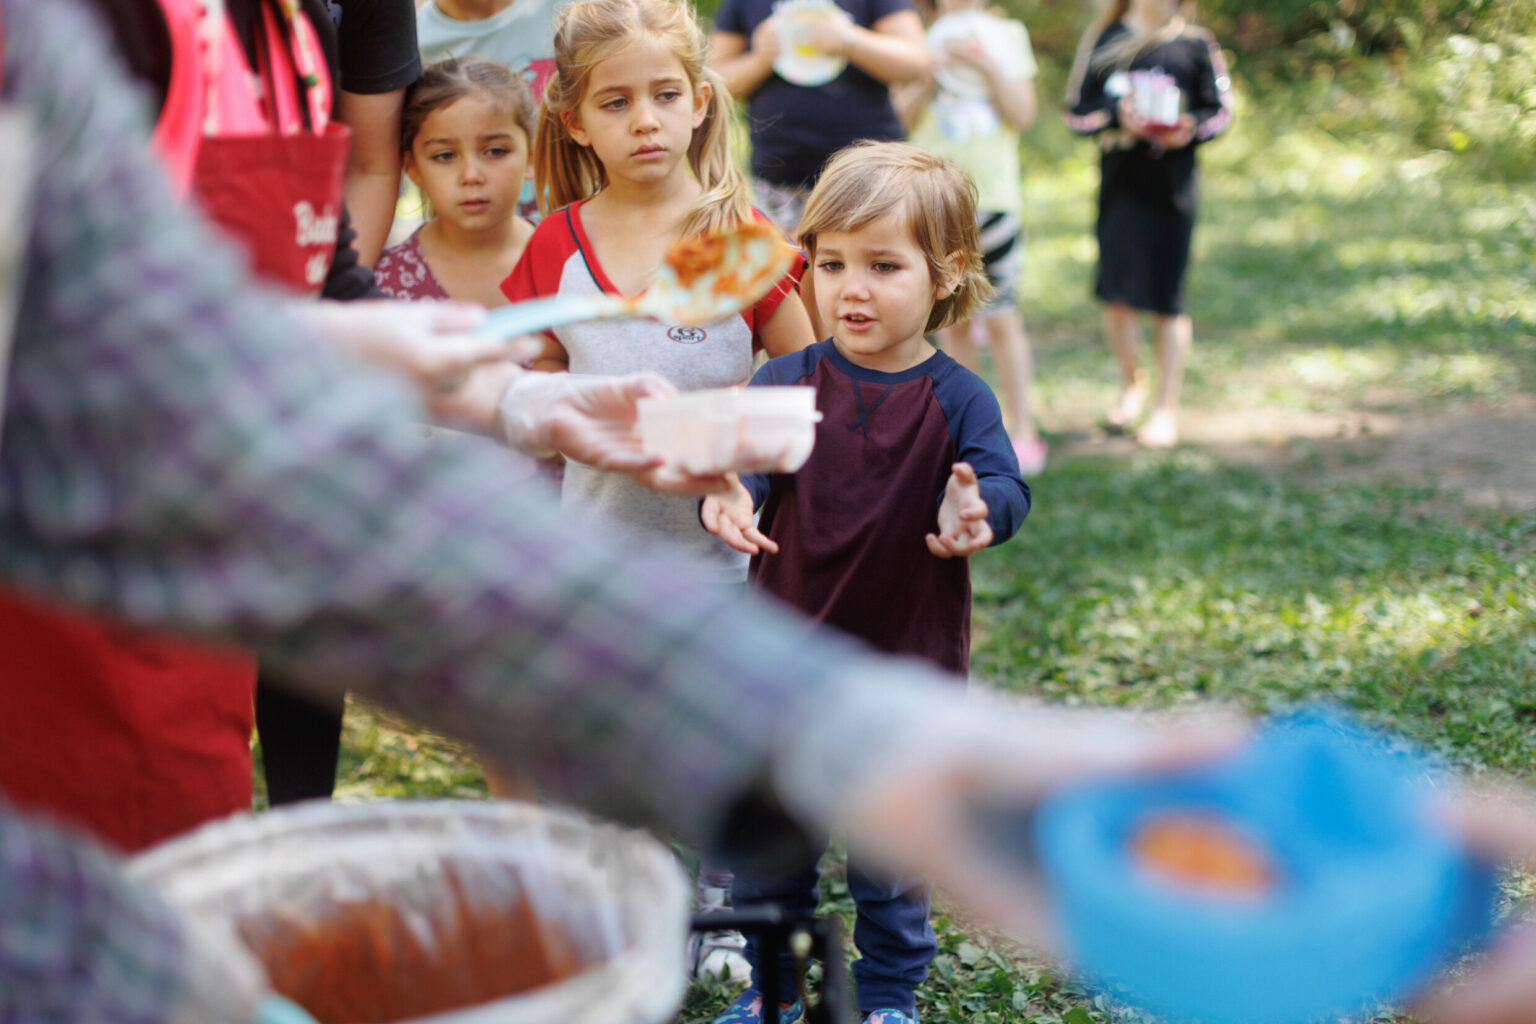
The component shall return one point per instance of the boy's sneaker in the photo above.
(718, 957)
(891, 1017)
(748, 1009)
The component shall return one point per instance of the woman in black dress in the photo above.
(1147, 191)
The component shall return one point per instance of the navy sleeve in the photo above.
(976, 425)
(785, 370)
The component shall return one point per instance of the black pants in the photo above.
(300, 740)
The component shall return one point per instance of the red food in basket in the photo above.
(367, 962)
(1204, 852)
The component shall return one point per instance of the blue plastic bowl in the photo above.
(1368, 902)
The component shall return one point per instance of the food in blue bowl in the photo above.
(1296, 879)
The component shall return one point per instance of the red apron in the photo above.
(132, 735)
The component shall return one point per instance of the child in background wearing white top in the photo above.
(465, 140)
(973, 108)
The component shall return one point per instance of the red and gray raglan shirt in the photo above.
(561, 260)
(850, 524)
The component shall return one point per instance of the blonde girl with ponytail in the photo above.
(632, 152)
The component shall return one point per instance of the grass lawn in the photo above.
(1344, 290)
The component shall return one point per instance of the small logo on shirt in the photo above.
(687, 335)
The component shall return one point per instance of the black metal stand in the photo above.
(804, 936)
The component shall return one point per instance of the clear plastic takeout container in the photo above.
(1156, 96)
(723, 429)
(441, 912)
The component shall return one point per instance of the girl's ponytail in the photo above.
(563, 169)
(725, 202)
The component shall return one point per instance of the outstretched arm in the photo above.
(963, 528)
(729, 516)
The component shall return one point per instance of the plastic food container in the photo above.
(1156, 96)
(443, 912)
(1364, 900)
(723, 429)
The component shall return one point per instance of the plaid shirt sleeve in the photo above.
(176, 451)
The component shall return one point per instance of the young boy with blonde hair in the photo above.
(912, 472)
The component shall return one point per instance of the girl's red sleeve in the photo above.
(538, 270)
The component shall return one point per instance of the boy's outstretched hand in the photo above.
(729, 517)
(963, 527)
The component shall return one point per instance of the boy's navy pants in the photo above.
(891, 931)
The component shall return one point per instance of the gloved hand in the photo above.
(430, 342)
(901, 762)
(593, 420)
(221, 982)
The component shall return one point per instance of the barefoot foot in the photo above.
(1127, 408)
(1160, 431)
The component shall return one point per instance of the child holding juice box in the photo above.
(1121, 90)
(912, 461)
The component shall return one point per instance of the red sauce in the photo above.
(365, 963)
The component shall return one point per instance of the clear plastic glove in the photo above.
(1500, 824)
(594, 420)
(221, 981)
(903, 762)
(430, 342)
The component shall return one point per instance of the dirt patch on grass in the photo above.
(1483, 455)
